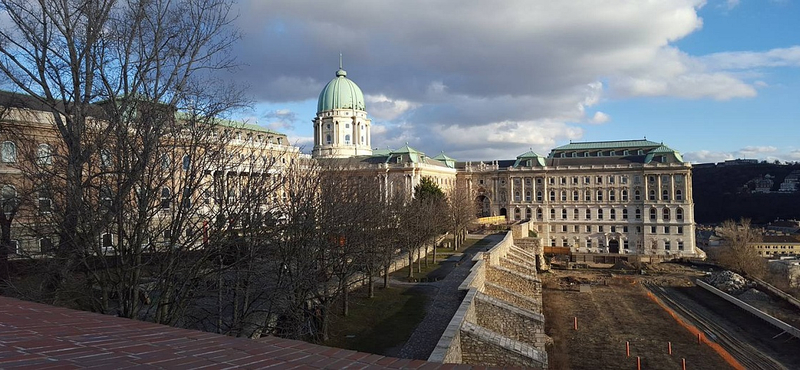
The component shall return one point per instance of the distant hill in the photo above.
(719, 193)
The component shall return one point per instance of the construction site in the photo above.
(666, 316)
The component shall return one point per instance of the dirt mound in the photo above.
(754, 295)
(729, 282)
(624, 265)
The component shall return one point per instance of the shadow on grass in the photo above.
(379, 324)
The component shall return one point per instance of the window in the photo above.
(552, 196)
(165, 161)
(653, 214)
(106, 242)
(612, 214)
(553, 242)
(680, 230)
(638, 214)
(637, 195)
(347, 139)
(528, 196)
(680, 245)
(611, 178)
(105, 196)
(624, 229)
(563, 196)
(587, 196)
(539, 213)
(588, 214)
(625, 244)
(599, 179)
(187, 162)
(538, 196)
(599, 195)
(665, 214)
(8, 154)
(346, 125)
(678, 195)
(679, 214)
(552, 213)
(15, 247)
(600, 214)
(562, 180)
(600, 229)
(637, 179)
(587, 179)
(363, 141)
(538, 180)
(664, 179)
(623, 179)
(45, 245)
(624, 195)
(666, 230)
(9, 198)
(45, 200)
(624, 213)
(639, 229)
(551, 180)
(44, 155)
(588, 228)
(665, 194)
(667, 245)
(165, 198)
(517, 196)
(575, 214)
(563, 228)
(652, 195)
(186, 199)
(280, 141)
(563, 214)
(575, 196)
(575, 179)
(653, 229)
(651, 179)
(613, 229)
(328, 139)
(612, 195)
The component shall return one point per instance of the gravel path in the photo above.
(443, 306)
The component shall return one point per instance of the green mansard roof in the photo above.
(599, 145)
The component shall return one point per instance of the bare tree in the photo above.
(737, 253)
(461, 207)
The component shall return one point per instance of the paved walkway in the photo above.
(443, 306)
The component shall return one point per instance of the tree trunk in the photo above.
(371, 288)
(386, 277)
(410, 263)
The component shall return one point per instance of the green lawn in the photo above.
(378, 324)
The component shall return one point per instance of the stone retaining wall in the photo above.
(499, 322)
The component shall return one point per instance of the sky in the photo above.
(480, 80)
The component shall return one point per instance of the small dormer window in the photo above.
(574, 154)
(399, 159)
(280, 141)
(639, 152)
(585, 154)
(625, 152)
(529, 163)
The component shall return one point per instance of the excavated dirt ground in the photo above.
(615, 311)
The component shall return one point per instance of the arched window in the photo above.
(187, 162)
(665, 214)
(563, 196)
(528, 213)
(637, 195)
(679, 214)
(45, 200)
(165, 198)
(363, 141)
(599, 195)
(678, 195)
(638, 214)
(517, 196)
(575, 214)
(347, 139)
(552, 196)
(624, 195)
(165, 161)
(612, 195)
(563, 214)
(539, 213)
(552, 213)
(588, 214)
(527, 195)
(45, 245)
(600, 214)
(44, 155)
(612, 214)
(652, 214)
(665, 194)
(538, 196)
(652, 195)
(575, 196)
(328, 139)
(587, 196)
(624, 213)
(8, 154)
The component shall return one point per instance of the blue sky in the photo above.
(714, 80)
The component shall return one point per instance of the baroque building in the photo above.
(611, 197)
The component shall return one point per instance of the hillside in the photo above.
(720, 194)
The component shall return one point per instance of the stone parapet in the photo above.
(485, 347)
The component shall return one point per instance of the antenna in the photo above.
(340, 60)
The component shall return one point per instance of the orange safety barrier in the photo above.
(695, 331)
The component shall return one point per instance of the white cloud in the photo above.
(599, 117)
(737, 60)
(381, 107)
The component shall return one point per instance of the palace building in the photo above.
(611, 197)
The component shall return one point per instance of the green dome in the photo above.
(340, 93)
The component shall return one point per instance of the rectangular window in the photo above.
(624, 229)
(563, 228)
(680, 245)
(680, 230)
(652, 230)
(600, 229)
(666, 229)
(667, 245)
(576, 229)
(588, 228)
